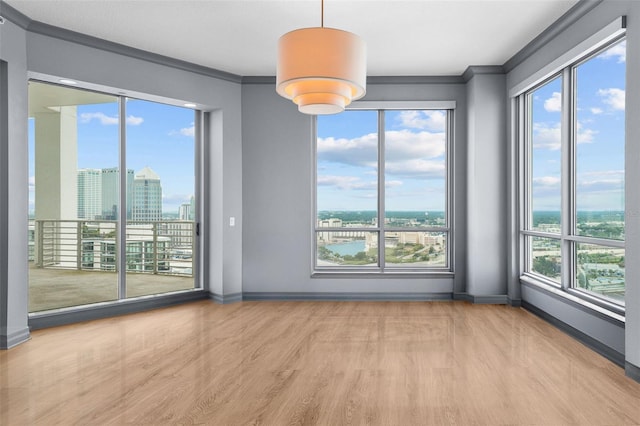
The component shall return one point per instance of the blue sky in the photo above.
(414, 168)
(600, 103)
(159, 136)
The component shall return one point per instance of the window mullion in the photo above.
(523, 114)
(199, 166)
(381, 189)
(567, 169)
(121, 226)
(448, 205)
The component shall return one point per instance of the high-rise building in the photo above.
(147, 196)
(110, 197)
(192, 210)
(184, 212)
(89, 193)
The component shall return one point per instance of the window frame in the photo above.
(381, 269)
(120, 253)
(568, 237)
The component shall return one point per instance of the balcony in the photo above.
(74, 262)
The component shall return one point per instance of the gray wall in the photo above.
(277, 194)
(486, 183)
(620, 337)
(13, 187)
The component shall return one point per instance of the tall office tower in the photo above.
(147, 196)
(192, 210)
(184, 212)
(89, 193)
(110, 193)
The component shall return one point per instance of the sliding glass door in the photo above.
(97, 234)
(160, 222)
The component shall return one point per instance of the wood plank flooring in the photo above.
(314, 363)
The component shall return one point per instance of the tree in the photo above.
(324, 253)
(546, 266)
(582, 280)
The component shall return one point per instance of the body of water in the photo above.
(350, 248)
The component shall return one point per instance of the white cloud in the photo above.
(360, 151)
(546, 188)
(547, 136)
(392, 183)
(433, 120)
(613, 97)
(407, 153)
(601, 180)
(601, 185)
(585, 135)
(346, 182)
(548, 181)
(106, 120)
(596, 111)
(404, 145)
(554, 103)
(185, 131)
(188, 131)
(32, 183)
(134, 121)
(601, 173)
(618, 51)
(416, 168)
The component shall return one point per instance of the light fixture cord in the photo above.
(321, 13)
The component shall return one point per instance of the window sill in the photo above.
(379, 274)
(574, 300)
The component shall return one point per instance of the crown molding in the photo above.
(565, 21)
(37, 27)
(415, 79)
(13, 15)
(481, 69)
(259, 79)
(410, 79)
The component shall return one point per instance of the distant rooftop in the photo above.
(148, 174)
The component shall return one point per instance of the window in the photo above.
(574, 178)
(382, 191)
(97, 235)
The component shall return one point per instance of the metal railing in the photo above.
(164, 247)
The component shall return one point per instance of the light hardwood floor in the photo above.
(307, 363)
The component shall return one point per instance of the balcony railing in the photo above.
(164, 247)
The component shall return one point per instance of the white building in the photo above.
(147, 196)
(89, 193)
(184, 212)
(110, 193)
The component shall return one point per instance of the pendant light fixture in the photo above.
(321, 69)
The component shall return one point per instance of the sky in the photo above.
(415, 154)
(600, 120)
(158, 136)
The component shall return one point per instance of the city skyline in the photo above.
(160, 136)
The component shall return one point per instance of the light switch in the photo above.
(232, 221)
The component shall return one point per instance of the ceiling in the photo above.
(47, 98)
(404, 37)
